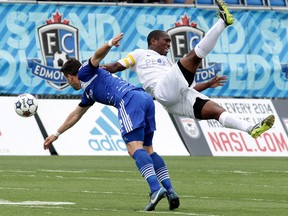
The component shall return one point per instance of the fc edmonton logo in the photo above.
(184, 37)
(58, 42)
(105, 136)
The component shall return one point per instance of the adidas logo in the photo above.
(106, 135)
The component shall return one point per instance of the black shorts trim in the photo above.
(189, 76)
(198, 106)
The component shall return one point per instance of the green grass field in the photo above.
(36, 186)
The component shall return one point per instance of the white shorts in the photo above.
(173, 93)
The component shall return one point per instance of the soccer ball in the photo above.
(26, 105)
(59, 59)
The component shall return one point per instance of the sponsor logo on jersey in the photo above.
(185, 35)
(58, 42)
(105, 136)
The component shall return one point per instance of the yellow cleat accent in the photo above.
(260, 128)
(224, 13)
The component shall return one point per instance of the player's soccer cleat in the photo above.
(155, 197)
(173, 200)
(263, 126)
(224, 13)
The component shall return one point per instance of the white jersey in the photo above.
(163, 80)
(149, 65)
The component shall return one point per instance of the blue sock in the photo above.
(145, 166)
(161, 172)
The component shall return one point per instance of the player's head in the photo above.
(159, 41)
(70, 71)
(71, 67)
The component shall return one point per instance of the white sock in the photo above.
(229, 121)
(205, 46)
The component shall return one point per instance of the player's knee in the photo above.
(149, 149)
(207, 109)
(133, 146)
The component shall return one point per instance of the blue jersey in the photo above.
(101, 86)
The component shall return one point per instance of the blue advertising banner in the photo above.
(36, 39)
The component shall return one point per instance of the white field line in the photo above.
(183, 196)
(43, 170)
(241, 185)
(63, 171)
(246, 172)
(181, 213)
(232, 171)
(118, 171)
(137, 194)
(108, 192)
(124, 171)
(34, 203)
(116, 210)
(67, 171)
(18, 171)
(96, 178)
(20, 189)
(276, 171)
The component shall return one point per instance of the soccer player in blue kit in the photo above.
(136, 115)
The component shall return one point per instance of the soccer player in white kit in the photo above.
(171, 84)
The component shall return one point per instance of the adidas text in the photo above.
(107, 144)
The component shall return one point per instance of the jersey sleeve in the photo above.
(86, 101)
(130, 60)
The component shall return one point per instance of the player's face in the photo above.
(73, 81)
(162, 45)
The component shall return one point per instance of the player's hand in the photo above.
(103, 66)
(217, 81)
(49, 140)
(116, 39)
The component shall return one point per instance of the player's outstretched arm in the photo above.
(71, 120)
(113, 67)
(213, 83)
(102, 51)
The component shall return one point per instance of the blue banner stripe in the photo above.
(255, 47)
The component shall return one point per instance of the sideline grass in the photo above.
(112, 186)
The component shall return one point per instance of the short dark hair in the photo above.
(71, 67)
(154, 34)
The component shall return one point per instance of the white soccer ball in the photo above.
(59, 59)
(26, 105)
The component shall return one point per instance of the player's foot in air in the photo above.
(173, 200)
(224, 13)
(155, 197)
(263, 126)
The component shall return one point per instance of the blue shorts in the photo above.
(136, 111)
(138, 134)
